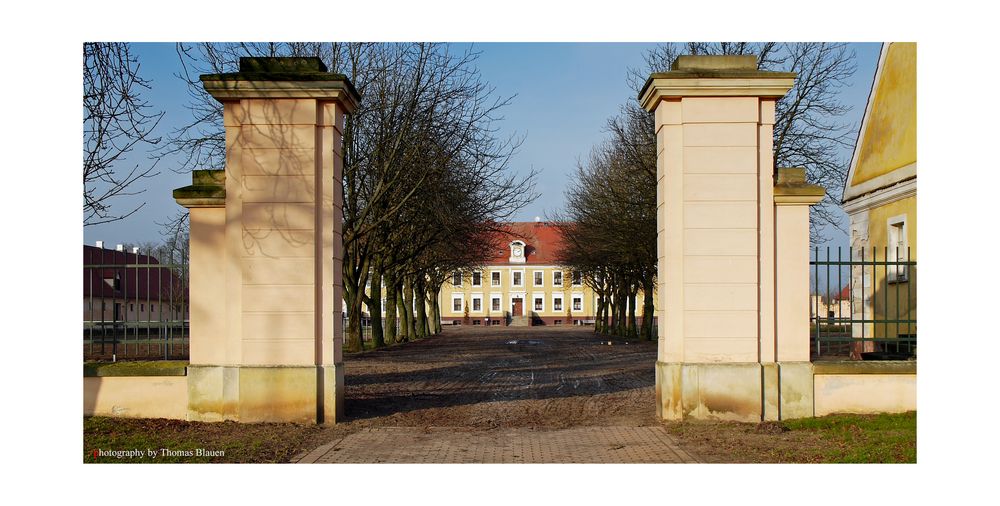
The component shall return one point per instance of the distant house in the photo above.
(120, 286)
(831, 309)
(880, 197)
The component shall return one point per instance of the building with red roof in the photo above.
(122, 286)
(522, 284)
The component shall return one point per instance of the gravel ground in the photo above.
(509, 377)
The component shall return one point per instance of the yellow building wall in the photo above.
(890, 137)
(547, 290)
(888, 298)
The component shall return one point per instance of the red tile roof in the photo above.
(845, 294)
(140, 277)
(542, 242)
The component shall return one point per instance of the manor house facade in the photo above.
(521, 285)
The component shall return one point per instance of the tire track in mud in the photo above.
(504, 377)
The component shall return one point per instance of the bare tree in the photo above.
(808, 130)
(116, 119)
(423, 167)
(609, 225)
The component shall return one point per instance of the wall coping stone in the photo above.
(865, 367)
(145, 368)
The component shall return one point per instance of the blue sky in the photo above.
(565, 92)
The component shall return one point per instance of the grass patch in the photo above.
(266, 442)
(883, 438)
(864, 438)
(136, 368)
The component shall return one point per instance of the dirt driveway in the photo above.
(508, 377)
(503, 395)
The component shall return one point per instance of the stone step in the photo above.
(520, 321)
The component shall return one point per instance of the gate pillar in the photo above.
(266, 248)
(719, 271)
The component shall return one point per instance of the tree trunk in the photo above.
(400, 312)
(436, 309)
(599, 315)
(375, 305)
(390, 309)
(352, 310)
(428, 322)
(410, 333)
(420, 295)
(603, 307)
(647, 308)
(633, 327)
(622, 303)
(616, 314)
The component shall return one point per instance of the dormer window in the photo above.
(517, 252)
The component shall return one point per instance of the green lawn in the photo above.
(884, 438)
(864, 438)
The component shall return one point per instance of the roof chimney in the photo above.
(120, 247)
(99, 244)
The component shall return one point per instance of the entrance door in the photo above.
(517, 308)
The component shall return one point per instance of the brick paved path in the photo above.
(518, 445)
(474, 394)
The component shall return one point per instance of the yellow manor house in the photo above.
(521, 286)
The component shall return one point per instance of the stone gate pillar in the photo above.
(266, 248)
(719, 353)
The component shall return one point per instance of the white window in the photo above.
(495, 278)
(477, 278)
(556, 278)
(495, 302)
(577, 278)
(577, 302)
(898, 251)
(456, 278)
(539, 278)
(557, 303)
(456, 303)
(539, 300)
(477, 303)
(517, 278)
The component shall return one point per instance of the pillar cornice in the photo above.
(277, 78)
(714, 76)
(791, 188)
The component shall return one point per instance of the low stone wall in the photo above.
(132, 390)
(865, 387)
(750, 392)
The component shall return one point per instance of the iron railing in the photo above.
(863, 303)
(366, 328)
(135, 304)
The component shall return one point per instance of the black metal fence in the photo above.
(366, 328)
(863, 304)
(135, 304)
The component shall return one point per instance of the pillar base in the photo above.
(742, 392)
(297, 394)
